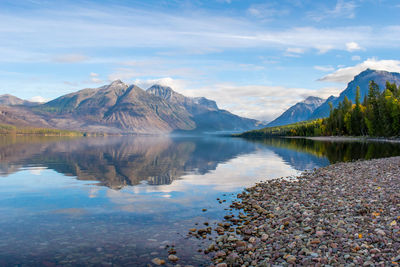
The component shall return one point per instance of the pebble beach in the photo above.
(346, 214)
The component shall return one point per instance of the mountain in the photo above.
(299, 112)
(192, 105)
(205, 113)
(122, 108)
(362, 80)
(10, 100)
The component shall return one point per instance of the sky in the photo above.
(255, 58)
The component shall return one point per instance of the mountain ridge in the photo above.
(122, 108)
(298, 112)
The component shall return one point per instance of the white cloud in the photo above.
(324, 68)
(96, 80)
(175, 84)
(352, 46)
(266, 11)
(346, 74)
(39, 99)
(342, 9)
(132, 28)
(326, 92)
(294, 51)
(132, 70)
(93, 74)
(355, 58)
(256, 101)
(70, 58)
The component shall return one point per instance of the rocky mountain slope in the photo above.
(301, 111)
(205, 113)
(122, 108)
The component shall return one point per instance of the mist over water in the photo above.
(122, 200)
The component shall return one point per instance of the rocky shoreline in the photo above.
(346, 214)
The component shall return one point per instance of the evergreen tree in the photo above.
(356, 117)
(377, 115)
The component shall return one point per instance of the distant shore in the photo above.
(351, 138)
(345, 213)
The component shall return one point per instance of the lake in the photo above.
(127, 200)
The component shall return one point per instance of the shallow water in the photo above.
(122, 200)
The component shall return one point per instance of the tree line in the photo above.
(378, 114)
(6, 129)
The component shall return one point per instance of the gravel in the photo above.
(345, 214)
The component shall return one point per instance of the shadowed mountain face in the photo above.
(299, 112)
(122, 108)
(362, 80)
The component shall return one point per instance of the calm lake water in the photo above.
(122, 200)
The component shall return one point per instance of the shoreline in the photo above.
(350, 139)
(345, 213)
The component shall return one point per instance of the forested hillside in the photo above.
(377, 115)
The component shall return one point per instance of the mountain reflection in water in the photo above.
(121, 200)
(119, 161)
(116, 162)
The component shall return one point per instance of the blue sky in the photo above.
(255, 58)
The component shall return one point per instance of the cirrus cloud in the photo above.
(70, 58)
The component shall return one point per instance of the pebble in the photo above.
(344, 214)
(158, 261)
(173, 258)
(291, 259)
(264, 237)
(220, 254)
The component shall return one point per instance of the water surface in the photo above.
(122, 200)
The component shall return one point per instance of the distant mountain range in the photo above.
(315, 107)
(122, 108)
(10, 100)
(299, 112)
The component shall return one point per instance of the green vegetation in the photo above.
(377, 115)
(304, 128)
(10, 129)
(334, 151)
